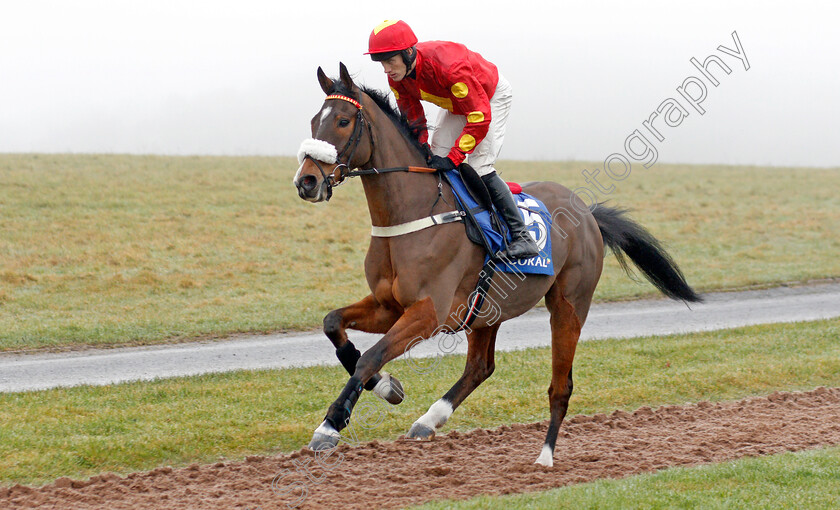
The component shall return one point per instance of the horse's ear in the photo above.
(326, 83)
(346, 79)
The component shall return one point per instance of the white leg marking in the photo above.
(546, 457)
(326, 429)
(437, 415)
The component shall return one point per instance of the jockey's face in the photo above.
(395, 67)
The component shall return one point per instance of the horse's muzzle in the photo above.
(306, 185)
(309, 189)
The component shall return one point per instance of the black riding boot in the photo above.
(522, 245)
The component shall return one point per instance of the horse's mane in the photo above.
(384, 103)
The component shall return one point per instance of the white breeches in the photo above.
(449, 126)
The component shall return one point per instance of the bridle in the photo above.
(342, 171)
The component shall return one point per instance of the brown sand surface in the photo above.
(461, 465)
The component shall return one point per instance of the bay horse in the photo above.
(421, 280)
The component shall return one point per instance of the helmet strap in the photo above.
(409, 59)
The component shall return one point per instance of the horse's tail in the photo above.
(624, 236)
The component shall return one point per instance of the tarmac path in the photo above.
(27, 372)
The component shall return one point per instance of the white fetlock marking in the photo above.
(437, 415)
(546, 457)
(326, 429)
(383, 387)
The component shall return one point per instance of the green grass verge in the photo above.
(791, 480)
(86, 430)
(101, 250)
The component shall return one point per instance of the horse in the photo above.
(422, 271)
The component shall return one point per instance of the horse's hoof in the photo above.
(322, 442)
(546, 457)
(324, 438)
(420, 432)
(390, 389)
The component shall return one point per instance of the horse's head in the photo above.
(337, 145)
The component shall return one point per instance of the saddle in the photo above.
(485, 228)
(466, 181)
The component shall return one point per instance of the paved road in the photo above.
(610, 320)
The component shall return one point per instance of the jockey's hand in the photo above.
(427, 152)
(441, 163)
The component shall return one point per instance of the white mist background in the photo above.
(238, 78)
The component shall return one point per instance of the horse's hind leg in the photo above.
(480, 364)
(565, 331)
(369, 316)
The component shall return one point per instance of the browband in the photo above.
(345, 98)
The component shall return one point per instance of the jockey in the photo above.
(475, 99)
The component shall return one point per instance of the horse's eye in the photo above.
(343, 123)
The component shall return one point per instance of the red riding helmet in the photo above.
(389, 38)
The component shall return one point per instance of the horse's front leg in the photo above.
(370, 316)
(481, 349)
(418, 321)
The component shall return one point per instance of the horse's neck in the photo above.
(398, 197)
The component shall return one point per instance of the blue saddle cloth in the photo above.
(535, 215)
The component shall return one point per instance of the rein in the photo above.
(377, 171)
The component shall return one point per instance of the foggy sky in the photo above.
(239, 77)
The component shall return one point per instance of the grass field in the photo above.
(107, 250)
(82, 431)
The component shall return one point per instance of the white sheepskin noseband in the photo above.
(318, 149)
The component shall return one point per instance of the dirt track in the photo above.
(461, 465)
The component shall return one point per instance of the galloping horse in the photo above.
(421, 280)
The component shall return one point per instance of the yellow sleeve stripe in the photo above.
(475, 117)
(396, 94)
